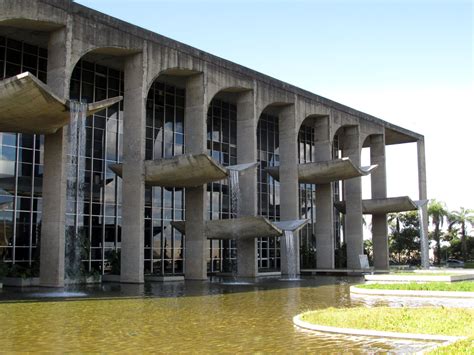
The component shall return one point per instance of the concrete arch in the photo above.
(365, 135)
(32, 24)
(274, 107)
(312, 117)
(340, 130)
(102, 55)
(230, 92)
(307, 108)
(181, 73)
(110, 56)
(219, 82)
(32, 14)
(365, 139)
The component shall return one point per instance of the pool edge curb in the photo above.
(379, 292)
(445, 339)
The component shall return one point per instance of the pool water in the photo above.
(182, 317)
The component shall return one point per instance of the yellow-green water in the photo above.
(257, 320)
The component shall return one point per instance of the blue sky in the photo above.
(408, 62)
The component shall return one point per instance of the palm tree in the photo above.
(462, 218)
(437, 211)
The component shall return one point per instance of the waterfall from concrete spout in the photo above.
(234, 184)
(291, 254)
(289, 229)
(75, 232)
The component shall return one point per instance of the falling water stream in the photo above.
(291, 255)
(75, 191)
(234, 184)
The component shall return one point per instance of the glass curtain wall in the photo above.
(100, 205)
(307, 200)
(268, 189)
(337, 186)
(222, 147)
(164, 245)
(21, 167)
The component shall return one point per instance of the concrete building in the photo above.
(177, 100)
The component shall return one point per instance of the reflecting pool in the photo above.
(182, 317)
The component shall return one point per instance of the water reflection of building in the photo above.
(178, 100)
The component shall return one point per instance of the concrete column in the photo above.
(289, 199)
(353, 198)
(324, 199)
(55, 168)
(133, 187)
(196, 245)
(378, 180)
(247, 265)
(423, 195)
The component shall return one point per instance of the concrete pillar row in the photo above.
(133, 186)
(423, 195)
(55, 166)
(353, 197)
(378, 180)
(247, 261)
(324, 199)
(195, 116)
(289, 194)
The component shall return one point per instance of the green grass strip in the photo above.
(436, 321)
(461, 286)
(465, 346)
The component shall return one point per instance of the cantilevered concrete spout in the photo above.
(292, 226)
(180, 171)
(242, 167)
(326, 171)
(27, 105)
(237, 228)
(382, 205)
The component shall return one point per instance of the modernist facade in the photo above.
(177, 100)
